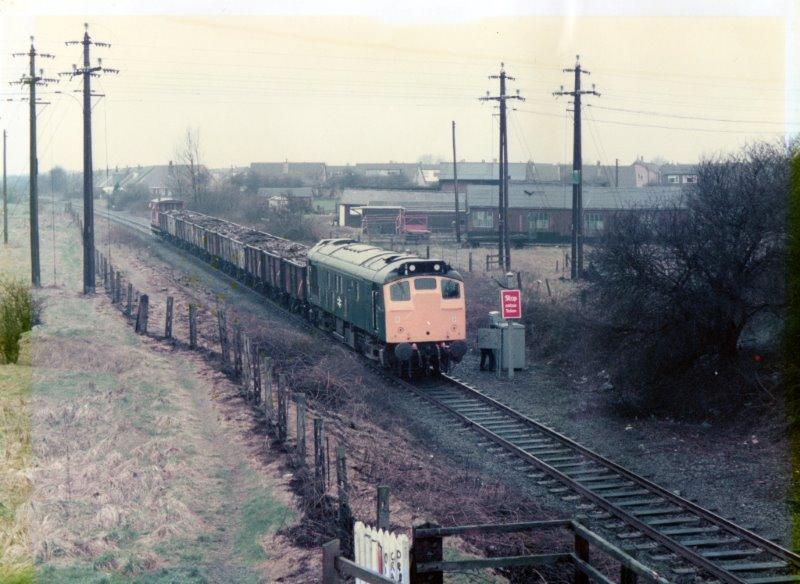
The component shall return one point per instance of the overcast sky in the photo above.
(380, 81)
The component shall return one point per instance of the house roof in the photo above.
(538, 196)
(279, 168)
(407, 169)
(156, 176)
(489, 171)
(679, 169)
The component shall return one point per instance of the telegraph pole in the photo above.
(32, 80)
(87, 71)
(503, 237)
(5, 194)
(577, 168)
(455, 186)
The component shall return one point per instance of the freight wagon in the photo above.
(404, 311)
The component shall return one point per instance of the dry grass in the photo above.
(16, 565)
(113, 462)
(15, 484)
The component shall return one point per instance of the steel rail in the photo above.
(765, 546)
(666, 541)
(709, 516)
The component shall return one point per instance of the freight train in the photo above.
(406, 312)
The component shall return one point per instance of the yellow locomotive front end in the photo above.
(426, 319)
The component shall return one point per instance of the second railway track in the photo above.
(694, 542)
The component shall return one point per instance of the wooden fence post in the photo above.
(300, 410)
(547, 283)
(237, 350)
(105, 273)
(343, 494)
(519, 280)
(330, 551)
(141, 318)
(282, 394)
(111, 283)
(382, 508)
(245, 378)
(168, 322)
(192, 326)
(118, 289)
(582, 552)
(223, 338)
(129, 310)
(469, 256)
(269, 407)
(425, 549)
(255, 368)
(319, 458)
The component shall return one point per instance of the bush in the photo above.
(133, 198)
(674, 289)
(19, 312)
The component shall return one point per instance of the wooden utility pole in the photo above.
(455, 186)
(577, 168)
(32, 80)
(5, 193)
(88, 177)
(503, 235)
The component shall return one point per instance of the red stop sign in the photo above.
(511, 304)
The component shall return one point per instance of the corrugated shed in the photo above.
(399, 198)
(537, 196)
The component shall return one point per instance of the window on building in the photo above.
(539, 221)
(450, 289)
(425, 284)
(400, 291)
(691, 179)
(482, 218)
(594, 222)
(672, 179)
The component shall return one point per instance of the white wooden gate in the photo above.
(381, 551)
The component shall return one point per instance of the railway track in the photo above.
(693, 542)
(673, 531)
(137, 224)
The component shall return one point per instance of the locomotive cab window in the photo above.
(451, 289)
(400, 291)
(425, 284)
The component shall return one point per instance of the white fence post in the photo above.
(381, 551)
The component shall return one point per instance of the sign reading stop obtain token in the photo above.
(510, 304)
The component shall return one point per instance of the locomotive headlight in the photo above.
(436, 267)
(412, 268)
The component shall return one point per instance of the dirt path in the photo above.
(142, 466)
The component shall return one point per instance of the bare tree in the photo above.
(677, 287)
(190, 176)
